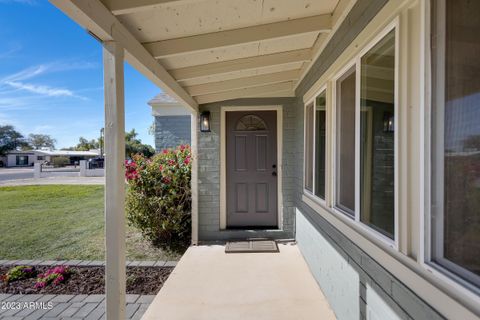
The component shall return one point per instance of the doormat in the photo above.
(251, 246)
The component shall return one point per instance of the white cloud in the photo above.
(16, 80)
(43, 90)
(26, 73)
(9, 53)
(29, 2)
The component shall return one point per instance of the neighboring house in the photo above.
(172, 122)
(29, 157)
(20, 158)
(328, 122)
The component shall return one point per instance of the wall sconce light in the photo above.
(388, 122)
(205, 121)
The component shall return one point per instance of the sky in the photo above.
(51, 77)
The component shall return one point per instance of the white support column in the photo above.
(113, 59)
(194, 179)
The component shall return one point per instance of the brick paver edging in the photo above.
(50, 306)
(85, 263)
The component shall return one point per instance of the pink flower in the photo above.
(165, 151)
(187, 160)
(160, 167)
(182, 147)
(171, 162)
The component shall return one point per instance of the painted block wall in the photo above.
(371, 291)
(209, 173)
(171, 131)
(340, 283)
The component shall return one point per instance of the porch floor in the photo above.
(210, 284)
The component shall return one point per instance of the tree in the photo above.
(472, 142)
(133, 145)
(85, 145)
(10, 139)
(39, 141)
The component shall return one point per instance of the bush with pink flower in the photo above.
(159, 197)
(53, 276)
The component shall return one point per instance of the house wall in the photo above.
(356, 285)
(171, 131)
(12, 159)
(209, 172)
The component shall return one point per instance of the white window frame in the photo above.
(356, 63)
(313, 102)
(350, 65)
(394, 25)
(426, 244)
(305, 190)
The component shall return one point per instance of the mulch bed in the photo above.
(90, 280)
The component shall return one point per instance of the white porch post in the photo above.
(113, 59)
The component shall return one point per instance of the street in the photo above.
(16, 173)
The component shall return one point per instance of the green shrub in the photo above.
(19, 273)
(158, 199)
(60, 161)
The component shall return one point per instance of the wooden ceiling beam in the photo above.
(247, 82)
(119, 7)
(255, 62)
(246, 92)
(221, 39)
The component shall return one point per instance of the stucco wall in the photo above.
(209, 172)
(171, 131)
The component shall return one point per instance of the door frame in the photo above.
(223, 157)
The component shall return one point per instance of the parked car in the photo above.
(96, 163)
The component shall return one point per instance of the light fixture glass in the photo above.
(205, 121)
(388, 122)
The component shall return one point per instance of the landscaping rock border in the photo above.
(85, 263)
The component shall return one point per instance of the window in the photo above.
(364, 162)
(40, 157)
(455, 156)
(315, 145)
(320, 144)
(345, 143)
(377, 139)
(250, 123)
(309, 147)
(22, 160)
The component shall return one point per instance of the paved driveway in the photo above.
(15, 173)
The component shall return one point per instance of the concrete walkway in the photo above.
(209, 284)
(80, 307)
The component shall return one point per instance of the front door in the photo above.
(251, 169)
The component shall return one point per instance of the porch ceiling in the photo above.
(212, 50)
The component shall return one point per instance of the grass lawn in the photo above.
(60, 222)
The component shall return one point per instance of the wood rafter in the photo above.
(208, 41)
(247, 82)
(118, 7)
(210, 69)
(246, 92)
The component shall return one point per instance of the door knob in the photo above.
(274, 173)
(274, 166)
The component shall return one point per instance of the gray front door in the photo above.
(251, 169)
